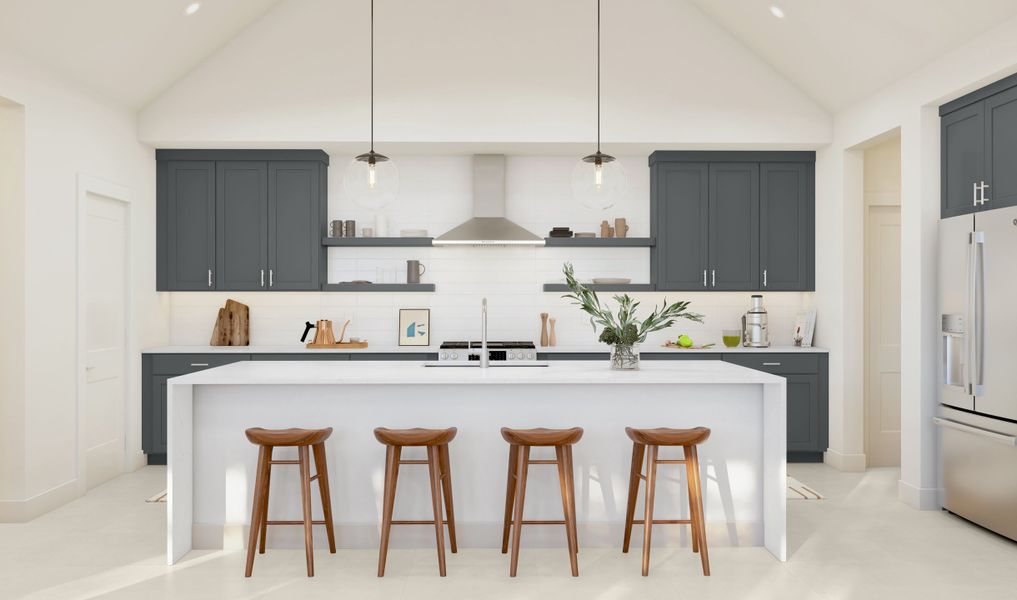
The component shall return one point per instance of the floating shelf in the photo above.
(378, 287)
(377, 241)
(626, 242)
(604, 287)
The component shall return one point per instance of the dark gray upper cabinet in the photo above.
(241, 225)
(294, 235)
(241, 220)
(1001, 150)
(680, 193)
(963, 159)
(786, 235)
(735, 221)
(186, 228)
(734, 226)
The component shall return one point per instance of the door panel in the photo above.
(882, 397)
(963, 153)
(241, 225)
(783, 226)
(1001, 150)
(294, 241)
(999, 389)
(734, 226)
(803, 413)
(191, 227)
(953, 297)
(682, 226)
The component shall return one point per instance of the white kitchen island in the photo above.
(212, 465)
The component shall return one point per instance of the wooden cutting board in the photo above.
(338, 346)
(677, 347)
(232, 325)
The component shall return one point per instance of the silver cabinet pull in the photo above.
(974, 194)
(771, 364)
(271, 279)
(704, 277)
(764, 277)
(983, 199)
(263, 278)
(210, 278)
(713, 276)
(199, 364)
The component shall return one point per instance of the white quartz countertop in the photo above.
(300, 349)
(415, 373)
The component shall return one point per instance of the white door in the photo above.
(882, 394)
(105, 298)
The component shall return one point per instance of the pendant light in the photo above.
(371, 179)
(598, 180)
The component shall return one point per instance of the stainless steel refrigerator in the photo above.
(978, 367)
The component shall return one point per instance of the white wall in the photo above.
(485, 72)
(437, 195)
(69, 133)
(911, 105)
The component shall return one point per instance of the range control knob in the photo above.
(455, 355)
(512, 355)
(529, 355)
(444, 355)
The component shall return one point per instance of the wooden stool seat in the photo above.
(439, 470)
(287, 437)
(415, 437)
(646, 442)
(520, 441)
(542, 437)
(664, 436)
(305, 441)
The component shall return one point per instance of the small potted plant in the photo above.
(625, 331)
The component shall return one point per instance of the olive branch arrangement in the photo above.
(625, 329)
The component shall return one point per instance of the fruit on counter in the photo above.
(684, 341)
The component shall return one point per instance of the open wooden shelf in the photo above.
(598, 242)
(378, 287)
(377, 241)
(604, 287)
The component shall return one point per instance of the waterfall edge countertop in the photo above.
(211, 466)
(376, 349)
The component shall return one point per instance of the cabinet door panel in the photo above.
(963, 155)
(734, 226)
(785, 226)
(682, 223)
(242, 228)
(803, 413)
(294, 240)
(190, 232)
(1001, 150)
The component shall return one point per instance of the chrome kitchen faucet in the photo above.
(484, 358)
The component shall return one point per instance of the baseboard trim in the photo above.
(920, 498)
(844, 462)
(20, 511)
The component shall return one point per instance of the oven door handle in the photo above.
(995, 436)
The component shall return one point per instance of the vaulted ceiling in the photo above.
(836, 51)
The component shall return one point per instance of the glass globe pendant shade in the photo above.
(598, 181)
(371, 180)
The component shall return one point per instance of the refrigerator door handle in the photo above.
(977, 276)
(1002, 438)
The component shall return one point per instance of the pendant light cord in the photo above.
(372, 76)
(598, 76)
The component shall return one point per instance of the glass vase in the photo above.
(625, 357)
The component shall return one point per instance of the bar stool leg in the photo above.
(566, 507)
(510, 495)
(321, 469)
(699, 520)
(692, 499)
(264, 512)
(522, 465)
(392, 454)
(570, 484)
(630, 510)
(651, 485)
(305, 497)
(446, 488)
(256, 509)
(434, 469)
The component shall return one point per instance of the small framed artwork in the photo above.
(414, 327)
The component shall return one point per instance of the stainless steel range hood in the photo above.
(488, 227)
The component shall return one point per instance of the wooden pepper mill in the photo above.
(543, 329)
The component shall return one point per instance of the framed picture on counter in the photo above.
(414, 327)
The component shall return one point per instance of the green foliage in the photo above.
(625, 328)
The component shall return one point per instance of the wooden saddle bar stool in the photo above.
(304, 440)
(647, 441)
(436, 441)
(520, 441)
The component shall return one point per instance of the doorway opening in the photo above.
(882, 310)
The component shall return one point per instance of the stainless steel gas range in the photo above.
(500, 354)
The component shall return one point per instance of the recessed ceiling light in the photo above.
(192, 8)
(776, 11)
